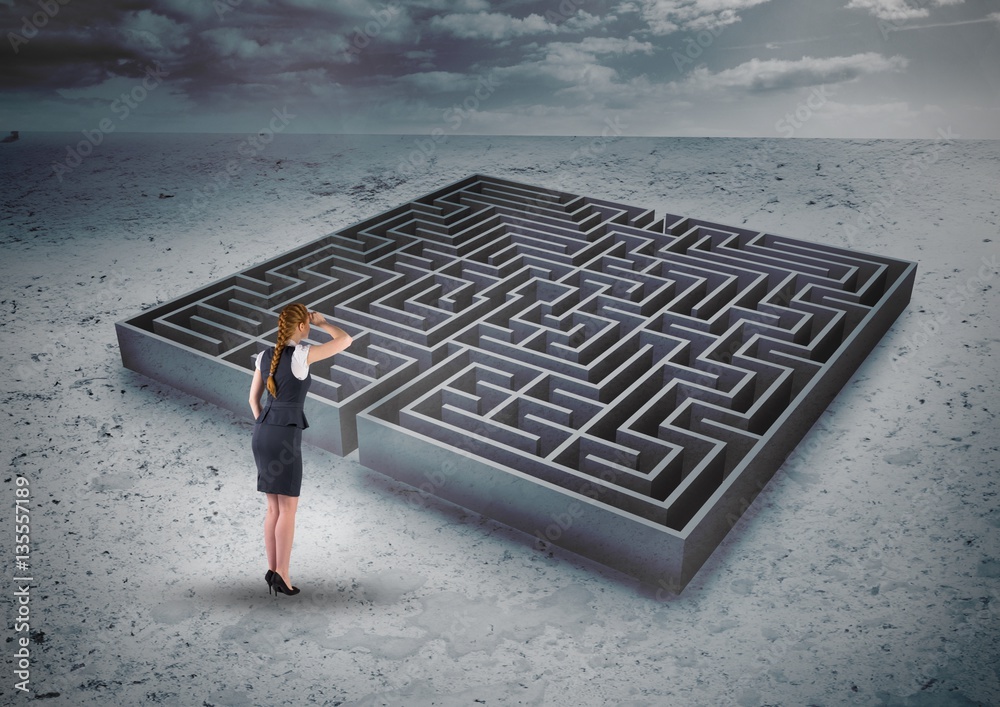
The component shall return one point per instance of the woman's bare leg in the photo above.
(284, 531)
(270, 521)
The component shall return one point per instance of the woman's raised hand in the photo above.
(315, 319)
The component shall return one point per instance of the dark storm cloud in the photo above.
(390, 65)
(215, 46)
(69, 47)
(209, 47)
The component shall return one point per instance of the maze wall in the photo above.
(606, 380)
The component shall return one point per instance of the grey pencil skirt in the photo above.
(277, 450)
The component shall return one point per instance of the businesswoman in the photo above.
(277, 433)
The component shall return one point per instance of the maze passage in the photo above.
(523, 351)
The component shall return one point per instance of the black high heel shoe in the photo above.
(268, 578)
(278, 582)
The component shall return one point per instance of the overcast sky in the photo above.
(772, 68)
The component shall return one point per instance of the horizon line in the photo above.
(507, 135)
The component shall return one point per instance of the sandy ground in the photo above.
(866, 573)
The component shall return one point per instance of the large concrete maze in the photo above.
(611, 381)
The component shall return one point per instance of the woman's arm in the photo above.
(340, 341)
(256, 388)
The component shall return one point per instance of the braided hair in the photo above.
(291, 316)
